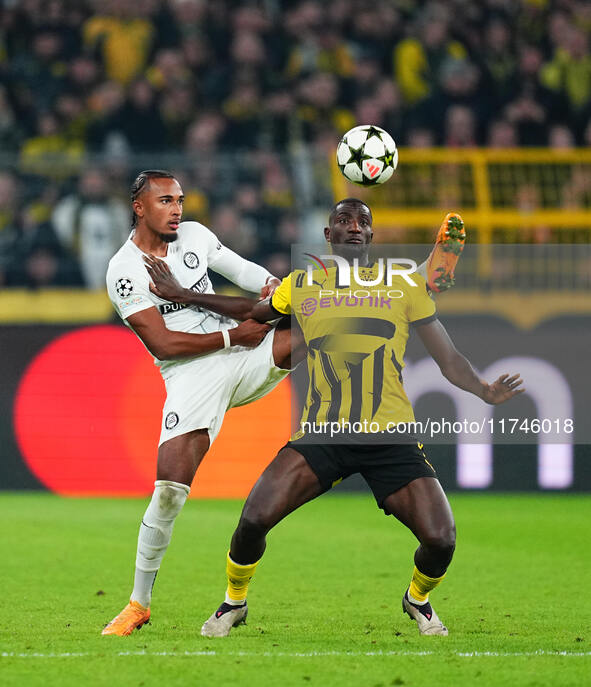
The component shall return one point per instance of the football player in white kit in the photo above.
(209, 363)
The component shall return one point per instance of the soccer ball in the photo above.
(367, 155)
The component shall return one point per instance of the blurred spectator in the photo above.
(277, 191)
(39, 260)
(527, 200)
(177, 108)
(92, 226)
(499, 62)
(83, 75)
(323, 50)
(122, 33)
(277, 117)
(242, 108)
(319, 95)
(569, 72)
(279, 264)
(38, 73)
(9, 200)
(560, 137)
(139, 120)
(420, 138)
(502, 134)
(50, 153)
(529, 117)
(105, 102)
(234, 231)
(11, 133)
(458, 86)
(169, 71)
(460, 127)
(417, 60)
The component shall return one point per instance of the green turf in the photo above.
(324, 605)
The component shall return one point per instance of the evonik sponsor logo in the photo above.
(381, 298)
(391, 269)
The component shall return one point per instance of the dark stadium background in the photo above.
(489, 102)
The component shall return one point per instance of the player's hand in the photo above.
(269, 288)
(164, 284)
(502, 389)
(248, 333)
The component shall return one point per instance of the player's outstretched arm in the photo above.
(167, 344)
(457, 369)
(166, 286)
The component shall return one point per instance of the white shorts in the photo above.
(200, 391)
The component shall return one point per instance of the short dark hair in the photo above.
(352, 201)
(141, 183)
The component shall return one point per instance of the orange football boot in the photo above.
(132, 616)
(444, 257)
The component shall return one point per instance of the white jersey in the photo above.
(189, 257)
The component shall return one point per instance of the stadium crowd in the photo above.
(92, 90)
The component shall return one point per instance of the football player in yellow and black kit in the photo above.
(355, 338)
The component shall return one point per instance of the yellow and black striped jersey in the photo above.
(356, 338)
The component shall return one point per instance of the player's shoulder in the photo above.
(125, 255)
(197, 234)
(126, 263)
(194, 229)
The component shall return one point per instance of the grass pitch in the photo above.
(324, 604)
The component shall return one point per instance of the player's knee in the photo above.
(171, 498)
(441, 541)
(254, 523)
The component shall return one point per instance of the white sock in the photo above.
(415, 602)
(154, 536)
(231, 602)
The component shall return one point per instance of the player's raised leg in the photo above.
(438, 270)
(423, 507)
(287, 483)
(178, 460)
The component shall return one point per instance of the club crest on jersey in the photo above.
(171, 421)
(191, 260)
(124, 287)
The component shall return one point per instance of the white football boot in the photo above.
(224, 619)
(427, 620)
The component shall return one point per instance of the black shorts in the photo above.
(385, 468)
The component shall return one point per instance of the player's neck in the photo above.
(149, 242)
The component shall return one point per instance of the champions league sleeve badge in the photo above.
(124, 287)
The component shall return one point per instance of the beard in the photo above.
(169, 238)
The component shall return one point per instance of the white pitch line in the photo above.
(306, 654)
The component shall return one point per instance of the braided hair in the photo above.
(142, 183)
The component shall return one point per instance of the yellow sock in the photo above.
(421, 585)
(238, 578)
